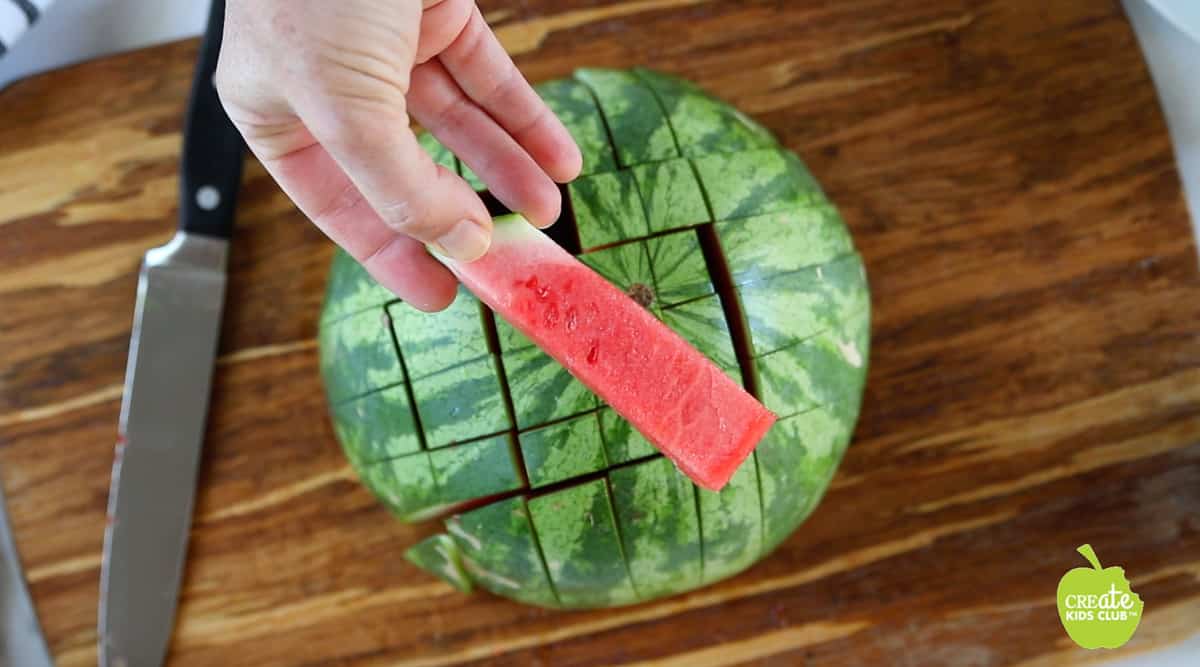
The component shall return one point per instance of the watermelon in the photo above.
(607, 207)
(562, 451)
(661, 544)
(499, 551)
(439, 554)
(582, 547)
(547, 494)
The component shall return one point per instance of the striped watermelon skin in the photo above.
(547, 495)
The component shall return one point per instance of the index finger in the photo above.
(487, 74)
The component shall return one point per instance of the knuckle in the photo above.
(406, 217)
(223, 82)
(499, 88)
(353, 71)
(353, 125)
(472, 39)
(338, 211)
(373, 256)
(530, 122)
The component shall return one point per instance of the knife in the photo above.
(21, 641)
(176, 326)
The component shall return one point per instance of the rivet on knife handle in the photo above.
(207, 184)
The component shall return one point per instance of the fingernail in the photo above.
(466, 241)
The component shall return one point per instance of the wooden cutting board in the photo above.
(1034, 385)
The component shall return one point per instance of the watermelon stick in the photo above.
(683, 403)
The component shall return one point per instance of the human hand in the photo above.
(322, 92)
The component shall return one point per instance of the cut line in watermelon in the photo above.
(697, 416)
(727, 240)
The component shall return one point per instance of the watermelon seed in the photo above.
(593, 354)
(642, 294)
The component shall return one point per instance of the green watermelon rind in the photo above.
(581, 546)
(656, 510)
(562, 451)
(608, 208)
(722, 170)
(439, 554)
(639, 130)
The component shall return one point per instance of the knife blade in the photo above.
(173, 345)
(21, 640)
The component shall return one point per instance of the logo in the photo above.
(1096, 605)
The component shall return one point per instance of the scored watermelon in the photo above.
(547, 495)
(683, 403)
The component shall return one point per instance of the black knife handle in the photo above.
(212, 147)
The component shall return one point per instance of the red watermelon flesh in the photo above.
(684, 404)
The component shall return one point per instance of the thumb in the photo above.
(374, 145)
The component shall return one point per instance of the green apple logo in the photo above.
(1096, 606)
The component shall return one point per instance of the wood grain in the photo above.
(1035, 378)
